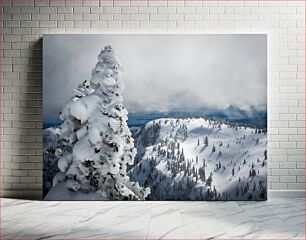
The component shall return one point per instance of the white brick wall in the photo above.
(24, 22)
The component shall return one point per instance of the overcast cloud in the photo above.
(163, 72)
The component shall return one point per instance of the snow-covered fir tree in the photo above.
(95, 127)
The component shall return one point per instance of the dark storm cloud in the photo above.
(163, 72)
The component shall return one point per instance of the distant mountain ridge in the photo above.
(253, 117)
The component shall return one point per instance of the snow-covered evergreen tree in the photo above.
(95, 127)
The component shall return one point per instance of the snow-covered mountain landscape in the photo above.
(192, 159)
(198, 159)
(175, 117)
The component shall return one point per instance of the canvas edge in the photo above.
(38, 194)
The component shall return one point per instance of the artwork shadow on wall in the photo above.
(155, 117)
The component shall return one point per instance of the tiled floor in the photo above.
(273, 219)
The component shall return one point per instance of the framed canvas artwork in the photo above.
(155, 117)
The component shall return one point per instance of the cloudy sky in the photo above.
(163, 72)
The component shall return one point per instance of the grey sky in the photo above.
(163, 72)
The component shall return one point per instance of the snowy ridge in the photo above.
(200, 159)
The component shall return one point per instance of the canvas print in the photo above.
(155, 117)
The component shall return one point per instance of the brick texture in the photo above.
(24, 22)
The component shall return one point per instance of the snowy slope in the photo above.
(176, 162)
